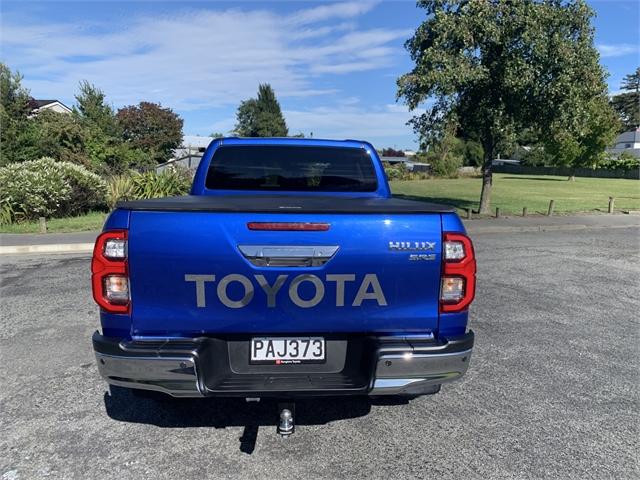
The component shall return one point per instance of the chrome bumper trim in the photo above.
(413, 374)
(177, 376)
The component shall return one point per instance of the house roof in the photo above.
(36, 104)
(632, 136)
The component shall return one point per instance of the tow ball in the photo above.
(286, 424)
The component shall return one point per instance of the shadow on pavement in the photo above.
(164, 411)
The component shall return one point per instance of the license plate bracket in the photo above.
(287, 350)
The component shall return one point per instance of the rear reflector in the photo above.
(289, 226)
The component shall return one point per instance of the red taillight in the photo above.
(110, 273)
(289, 226)
(458, 284)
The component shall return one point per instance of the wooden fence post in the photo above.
(43, 225)
(468, 213)
(524, 211)
(497, 212)
(552, 204)
(611, 204)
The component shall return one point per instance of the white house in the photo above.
(627, 142)
(38, 106)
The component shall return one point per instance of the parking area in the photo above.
(552, 391)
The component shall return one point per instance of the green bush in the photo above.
(88, 190)
(119, 188)
(444, 165)
(6, 212)
(624, 161)
(393, 173)
(171, 182)
(400, 172)
(46, 188)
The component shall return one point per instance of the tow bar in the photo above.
(286, 425)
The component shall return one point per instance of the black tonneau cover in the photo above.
(284, 204)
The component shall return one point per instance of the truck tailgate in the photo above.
(201, 272)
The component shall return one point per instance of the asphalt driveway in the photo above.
(552, 391)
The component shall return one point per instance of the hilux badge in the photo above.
(414, 246)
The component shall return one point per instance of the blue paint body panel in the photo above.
(164, 246)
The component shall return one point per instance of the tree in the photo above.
(261, 117)
(151, 128)
(579, 139)
(14, 112)
(627, 104)
(446, 157)
(97, 118)
(217, 135)
(495, 68)
(391, 152)
(59, 136)
(93, 111)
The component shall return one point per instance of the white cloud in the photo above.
(384, 126)
(334, 10)
(347, 121)
(201, 58)
(617, 50)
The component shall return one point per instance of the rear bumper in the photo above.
(204, 367)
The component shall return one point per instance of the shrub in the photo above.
(171, 182)
(88, 190)
(446, 165)
(393, 173)
(6, 212)
(119, 188)
(624, 161)
(48, 188)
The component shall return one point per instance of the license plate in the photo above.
(287, 350)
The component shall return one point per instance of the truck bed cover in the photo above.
(285, 204)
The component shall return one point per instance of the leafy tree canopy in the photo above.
(627, 104)
(496, 67)
(151, 128)
(14, 111)
(392, 152)
(91, 108)
(261, 116)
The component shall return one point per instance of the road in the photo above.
(553, 388)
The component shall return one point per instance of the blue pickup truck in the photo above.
(288, 271)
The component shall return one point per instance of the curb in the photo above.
(55, 248)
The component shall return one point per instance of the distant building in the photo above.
(38, 106)
(505, 161)
(189, 153)
(627, 142)
(408, 163)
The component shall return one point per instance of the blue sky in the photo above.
(333, 64)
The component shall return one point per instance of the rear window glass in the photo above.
(294, 168)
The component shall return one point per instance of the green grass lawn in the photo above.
(88, 222)
(512, 192)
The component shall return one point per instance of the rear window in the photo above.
(294, 168)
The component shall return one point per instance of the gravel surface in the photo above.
(552, 391)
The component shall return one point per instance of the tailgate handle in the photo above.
(288, 255)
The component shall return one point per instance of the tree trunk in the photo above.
(572, 177)
(487, 181)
